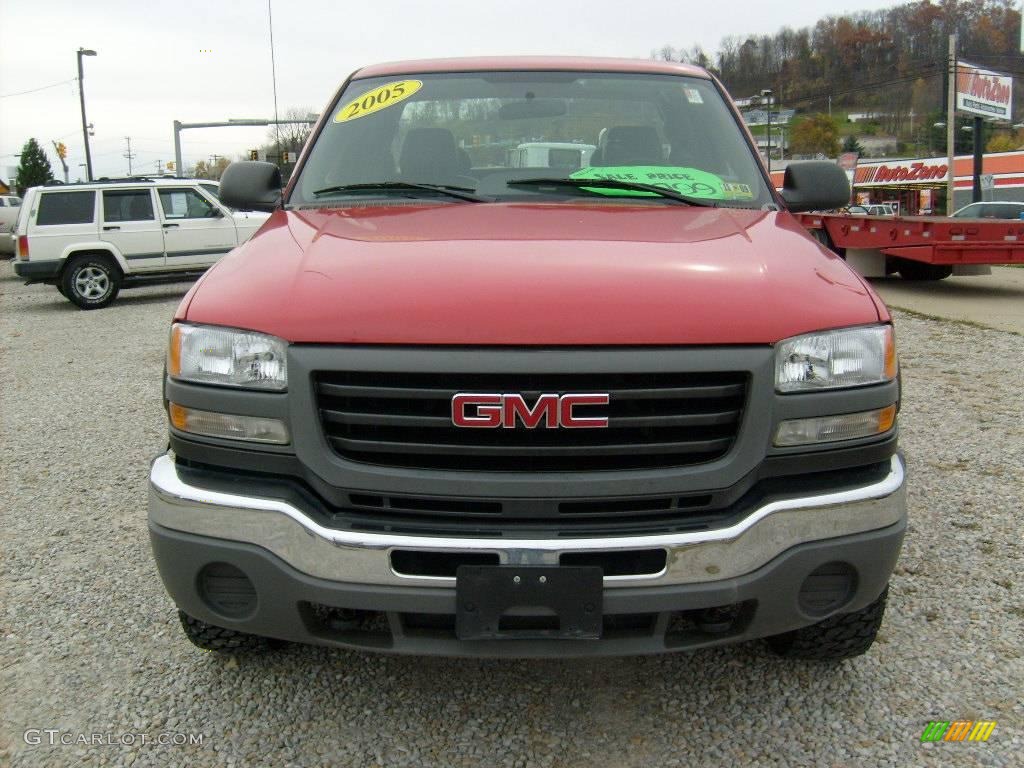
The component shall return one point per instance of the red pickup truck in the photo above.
(614, 401)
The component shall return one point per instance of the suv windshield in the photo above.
(477, 132)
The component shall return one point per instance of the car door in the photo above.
(129, 223)
(196, 231)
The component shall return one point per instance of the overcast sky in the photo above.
(207, 61)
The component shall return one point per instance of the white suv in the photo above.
(90, 240)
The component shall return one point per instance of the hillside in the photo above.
(886, 63)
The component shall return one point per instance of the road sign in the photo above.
(988, 182)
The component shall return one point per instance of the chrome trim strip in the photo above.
(364, 558)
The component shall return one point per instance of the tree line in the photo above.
(889, 61)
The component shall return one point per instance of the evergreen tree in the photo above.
(850, 144)
(34, 168)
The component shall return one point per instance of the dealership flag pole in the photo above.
(951, 127)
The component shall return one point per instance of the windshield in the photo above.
(476, 132)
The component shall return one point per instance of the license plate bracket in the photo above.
(572, 599)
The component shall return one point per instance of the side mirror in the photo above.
(815, 185)
(251, 185)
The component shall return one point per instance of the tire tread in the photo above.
(843, 636)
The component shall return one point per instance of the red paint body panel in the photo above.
(556, 274)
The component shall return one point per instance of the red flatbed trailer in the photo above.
(918, 247)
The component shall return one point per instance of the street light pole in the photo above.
(85, 127)
(767, 94)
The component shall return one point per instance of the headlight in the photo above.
(851, 357)
(211, 355)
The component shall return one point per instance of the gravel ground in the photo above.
(91, 643)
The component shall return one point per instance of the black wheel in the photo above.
(842, 636)
(213, 638)
(916, 270)
(91, 281)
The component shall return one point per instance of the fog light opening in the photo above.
(226, 590)
(827, 589)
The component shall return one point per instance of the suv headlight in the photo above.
(231, 358)
(850, 357)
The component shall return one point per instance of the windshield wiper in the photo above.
(461, 193)
(637, 186)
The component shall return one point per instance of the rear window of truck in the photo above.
(66, 208)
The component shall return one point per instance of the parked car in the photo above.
(448, 407)
(90, 240)
(994, 210)
(9, 207)
(876, 209)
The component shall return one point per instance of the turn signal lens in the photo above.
(829, 429)
(891, 363)
(255, 429)
(174, 352)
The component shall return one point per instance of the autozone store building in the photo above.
(919, 186)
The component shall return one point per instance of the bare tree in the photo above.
(292, 135)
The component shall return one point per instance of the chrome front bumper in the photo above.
(364, 558)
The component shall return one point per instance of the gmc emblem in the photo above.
(486, 411)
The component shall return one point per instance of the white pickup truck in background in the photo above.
(9, 207)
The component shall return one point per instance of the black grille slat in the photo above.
(654, 420)
(340, 390)
(388, 419)
(668, 393)
(453, 449)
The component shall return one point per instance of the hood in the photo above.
(532, 275)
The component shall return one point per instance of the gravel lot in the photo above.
(91, 643)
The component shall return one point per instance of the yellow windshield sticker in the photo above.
(687, 181)
(380, 98)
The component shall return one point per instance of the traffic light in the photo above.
(62, 150)
(254, 154)
(170, 166)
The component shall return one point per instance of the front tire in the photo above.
(210, 637)
(91, 281)
(842, 636)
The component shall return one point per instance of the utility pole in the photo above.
(85, 126)
(766, 94)
(951, 128)
(129, 154)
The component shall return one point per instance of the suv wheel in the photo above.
(842, 636)
(91, 281)
(213, 638)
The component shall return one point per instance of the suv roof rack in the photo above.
(101, 180)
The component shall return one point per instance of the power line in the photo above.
(41, 88)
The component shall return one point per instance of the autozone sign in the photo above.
(490, 411)
(900, 172)
(984, 93)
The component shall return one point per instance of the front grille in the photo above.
(654, 420)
